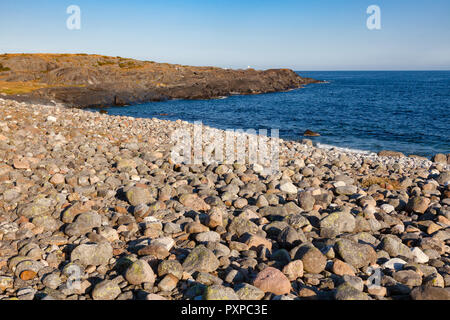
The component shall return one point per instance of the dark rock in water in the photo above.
(309, 133)
(103, 111)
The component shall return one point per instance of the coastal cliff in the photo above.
(81, 80)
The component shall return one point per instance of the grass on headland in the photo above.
(20, 87)
(2, 68)
(11, 88)
(129, 64)
(105, 62)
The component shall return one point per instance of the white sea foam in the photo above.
(342, 149)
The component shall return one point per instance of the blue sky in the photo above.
(303, 35)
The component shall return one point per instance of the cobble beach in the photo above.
(92, 206)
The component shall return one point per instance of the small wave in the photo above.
(349, 150)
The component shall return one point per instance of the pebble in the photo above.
(272, 280)
(288, 187)
(377, 291)
(293, 270)
(192, 201)
(53, 281)
(168, 283)
(419, 255)
(6, 282)
(341, 268)
(388, 208)
(346, 190)
(313, 260)
(306, 201)
(166, 242)
(418, 204)
(157, 250)
(394, 264)
(209, 236)
(408, 277)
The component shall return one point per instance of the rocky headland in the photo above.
(93, 207)
(81, 80)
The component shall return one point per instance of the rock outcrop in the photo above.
(82, 80)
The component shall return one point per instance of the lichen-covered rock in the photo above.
(83, 223)
(138, 195)
(92, 254)
(201, 259)
(34, 209)
(106, 290)
(395, 247)
(140, 272)
(218, 292)
(249, 292)
(356, 254)
(6, 283)
(172, 267)
(240, 226)
(336, 223)
(348, 292)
